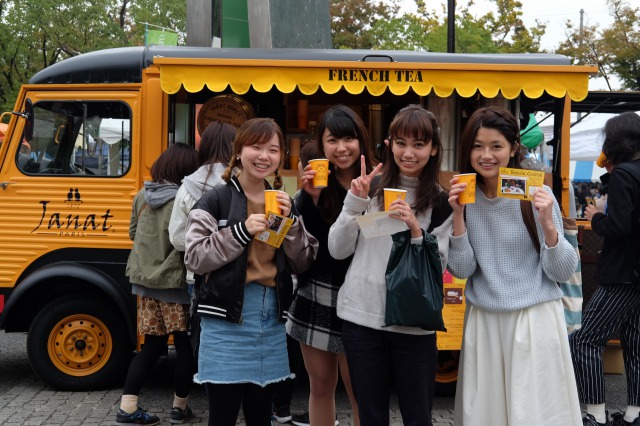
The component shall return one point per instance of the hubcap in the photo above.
(79, 345)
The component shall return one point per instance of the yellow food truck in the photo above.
(86, 130)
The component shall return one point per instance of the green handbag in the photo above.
(415, 295)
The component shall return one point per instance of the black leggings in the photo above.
(225, 401)
(144, 361)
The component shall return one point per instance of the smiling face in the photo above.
(411, 154)
(260, 160)
(490, 151)
(342, 152)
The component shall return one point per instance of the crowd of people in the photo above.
(586, 193)
(255, 307)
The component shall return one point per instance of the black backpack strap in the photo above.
(224, 199)
(223, 193)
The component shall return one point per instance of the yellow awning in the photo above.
(375, 77)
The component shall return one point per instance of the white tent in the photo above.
(113, 130)
(586, 136)
(586, 145)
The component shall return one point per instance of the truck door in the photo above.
(65, 197)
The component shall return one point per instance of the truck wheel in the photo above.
(78, 345)
(447, 373)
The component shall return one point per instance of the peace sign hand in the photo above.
(360, 186)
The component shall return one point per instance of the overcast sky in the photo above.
(552, 12)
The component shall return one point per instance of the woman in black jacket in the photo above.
(246, 284)
(616, 302)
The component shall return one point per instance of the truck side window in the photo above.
(91, 138)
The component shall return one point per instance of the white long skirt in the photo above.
(516, 370)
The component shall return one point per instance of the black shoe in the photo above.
(303, 419)
(589, 420)
(618, 420)
(139, 417)
(282, 415)
(178, 415)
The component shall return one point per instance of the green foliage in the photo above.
(615, 50)
(352, 21)
(38, 33)
(503, 31)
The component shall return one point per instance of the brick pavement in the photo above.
(25, 400)
(28, 401)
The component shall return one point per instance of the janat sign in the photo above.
(400, 76)
(72, 225)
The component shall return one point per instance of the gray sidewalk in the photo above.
(25, 400)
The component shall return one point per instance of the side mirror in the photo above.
(27, 114)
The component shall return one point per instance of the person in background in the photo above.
(380, 355)
(616, 302)
(214, 154)
(157, 274)
(247, 286)
(515, 365)
(341, 137)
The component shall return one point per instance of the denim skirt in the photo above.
(254, 351)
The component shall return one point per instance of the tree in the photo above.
(615, 50)
(503, 31)
(352, 21)
(38, 33)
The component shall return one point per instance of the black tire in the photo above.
(447, 373)
(79, 344)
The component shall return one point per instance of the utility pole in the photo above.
(581, 28)
(451, 26)
(580, 45)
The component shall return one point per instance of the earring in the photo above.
(237, 158)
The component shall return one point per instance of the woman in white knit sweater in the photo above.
(515, 364)
(379, 355)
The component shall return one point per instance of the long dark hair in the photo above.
(215, 147)
(176, 162)
(342, 122)
(490, 117)
(256, 130)
(414, 121)
(216, 143)
(622, 138)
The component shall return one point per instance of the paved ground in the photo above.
(25, 400)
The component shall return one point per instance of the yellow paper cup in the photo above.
(469, 194)
(321, 167)
(270, 201)
(391, 194)
(602, 160)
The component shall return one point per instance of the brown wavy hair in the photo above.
(260, 131)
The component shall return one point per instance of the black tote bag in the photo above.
(415, 295)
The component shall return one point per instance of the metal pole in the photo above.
(451, 26)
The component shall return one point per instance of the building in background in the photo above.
(259, 23)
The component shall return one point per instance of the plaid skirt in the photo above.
(313, 319)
